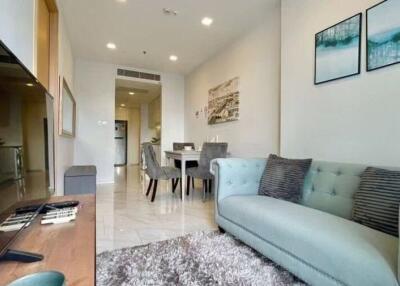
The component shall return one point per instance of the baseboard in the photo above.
(105, 182)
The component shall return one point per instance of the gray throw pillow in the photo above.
(376, 203)
(284, 178)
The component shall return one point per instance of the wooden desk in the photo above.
(69, 248)
(183, 156)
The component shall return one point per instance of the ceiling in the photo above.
(138, 25)
(144, 93)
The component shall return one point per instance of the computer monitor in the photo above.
(26, 143)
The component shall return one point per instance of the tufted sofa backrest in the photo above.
(330, 187)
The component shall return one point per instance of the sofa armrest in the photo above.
(234, 176)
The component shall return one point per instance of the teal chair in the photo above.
(50, 278)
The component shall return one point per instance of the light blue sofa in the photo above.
(315, 240)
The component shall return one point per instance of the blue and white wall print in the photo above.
(383, 35)
(337, 50)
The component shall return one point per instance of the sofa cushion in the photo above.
(352, 253)
(330, 187)
(376, 203)
(284, 178)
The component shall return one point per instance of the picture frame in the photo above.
(383, 35)
(338, 51)
(67, 111)
(223, 102)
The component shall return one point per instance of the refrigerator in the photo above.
(120, 137)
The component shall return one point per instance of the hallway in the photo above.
(125, 217)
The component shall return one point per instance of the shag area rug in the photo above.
(204, 258)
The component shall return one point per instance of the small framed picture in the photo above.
(383, 35)
(338, 51)
(67, 115)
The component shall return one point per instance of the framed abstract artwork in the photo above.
(383, 35)
(338, 51)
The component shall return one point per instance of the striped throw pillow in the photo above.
(376, 203)
(284, 178)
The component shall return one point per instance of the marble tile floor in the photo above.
(126, 217)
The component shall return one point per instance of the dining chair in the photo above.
(156, 172)
(209, 152)
(189, 164)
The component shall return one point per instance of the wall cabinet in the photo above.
(155, 113)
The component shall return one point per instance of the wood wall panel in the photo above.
(43, 43)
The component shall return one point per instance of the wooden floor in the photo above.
(68, 248)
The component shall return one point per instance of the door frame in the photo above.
(126, 145)
(46, 144)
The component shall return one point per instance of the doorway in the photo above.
(121, 142)
(138, 103)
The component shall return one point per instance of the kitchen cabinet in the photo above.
(155, 113)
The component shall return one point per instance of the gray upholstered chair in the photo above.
(189, 164)
(209, 152)
(156, 172)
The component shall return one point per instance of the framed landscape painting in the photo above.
(383, 35)
(338, 51)
(223, 102)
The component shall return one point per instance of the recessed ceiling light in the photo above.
(29, 84)
(173, 58)
(111, 46)
(120, 1)
(131, 93)
(206, 21)
(122, 105)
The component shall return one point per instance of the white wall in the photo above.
(95, 97)
(255, 58)
(172, 111)
(17, 29)
(64, 146)
(351, 120)
(95, 101)
(146, 133)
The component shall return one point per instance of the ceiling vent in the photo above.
(137, 74)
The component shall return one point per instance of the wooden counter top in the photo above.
(69, 248)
